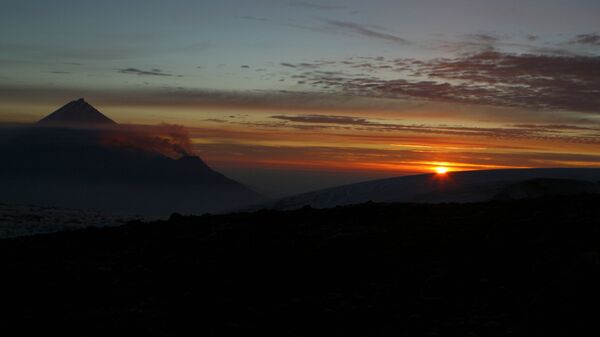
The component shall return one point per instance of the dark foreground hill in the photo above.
(525, 268)
(543, 187)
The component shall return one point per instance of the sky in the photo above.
(289, 96)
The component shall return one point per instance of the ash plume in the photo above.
(166, 139)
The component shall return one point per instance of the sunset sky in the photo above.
(288, 96)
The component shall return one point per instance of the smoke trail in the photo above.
(166, 139)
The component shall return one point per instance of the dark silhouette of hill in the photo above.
(544, 187)
(467, 186)
(116, 168)
(520, 268)
(76, 113)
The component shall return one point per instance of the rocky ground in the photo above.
(526, 268)
(22, 220)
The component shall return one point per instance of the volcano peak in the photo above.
(76, 113)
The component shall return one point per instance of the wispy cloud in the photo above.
(545, 132)
(324, 119)
(392, 159)
(43, 52)
(592, 39)
(268, 100)
(556, 127)
(312, 5)
(534, 81)
(484, 37)
(362, 30)
(136, 71)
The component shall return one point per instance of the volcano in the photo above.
(82, 159)
(76, 113)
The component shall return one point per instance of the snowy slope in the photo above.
(469, 186)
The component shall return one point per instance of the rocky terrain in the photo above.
(22, 220)
(518, 268)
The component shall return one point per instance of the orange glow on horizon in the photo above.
(441, 170)
(397, 153)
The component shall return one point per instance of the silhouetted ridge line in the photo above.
(77, 112)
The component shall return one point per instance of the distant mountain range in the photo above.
(78, 158)
(468, 186)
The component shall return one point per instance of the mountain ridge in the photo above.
(464, 186)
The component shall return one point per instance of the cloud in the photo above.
(180, 97)
(484, 38)
(545, 132)
(467, 44)
(311, 5)
(362, 30)
(136, 71)
(592, 39)
(120, 50)
(556, 127)
(324, 119)
(528, 80)
(383, 159)
(534, 81)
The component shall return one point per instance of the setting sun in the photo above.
(441, 170)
